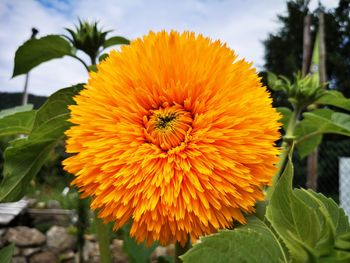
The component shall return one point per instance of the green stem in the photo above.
(286, 146)
(180, 250)
(103, 237)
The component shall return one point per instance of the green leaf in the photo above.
(102, 57)
(313, 227)
(295, 222)
(309, 131)
(311, 138)
(24, 157)
(17, 123)
(116, 41)
(326, 207)
(36, 51)
(333, 220)
(137, 253)
(251, 243)
(334, 98)
(6, 253)
(14, 110)
(286, 114)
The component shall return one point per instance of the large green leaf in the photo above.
(36, 51)
(116, 41)
(16, 120)
(334, 224)
(11, 111)
(17, 123)
(6, 253)
(334, 98)
(312, 226)
(25, 157)
(295, 222)
(251, 243)
(309, 131)
(326, 207)
(137, 253)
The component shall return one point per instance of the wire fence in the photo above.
(329, 154)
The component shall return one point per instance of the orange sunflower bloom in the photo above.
(175, 132)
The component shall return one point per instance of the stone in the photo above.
(24, 236)
(90, 237)
(159, 252)
(67, 257)
(170, 250)
(29, 251)
(90, 251)
(59, 240)
(118, 255)
(53, 204)
(18, 260)
(43, 257)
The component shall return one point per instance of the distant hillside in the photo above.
(9, 100)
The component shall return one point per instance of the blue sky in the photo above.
(242, 24)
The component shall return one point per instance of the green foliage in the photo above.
(286, 113)
(295, 222)
(24, 157)
(90, 39)
(116, 41)
(18, 123)
(11, 111)
(334, 98)
(6, 253)
(17, 120)
(137, 253)
(36, 51)
(316, 123)
(311, 225)
(302, 92)
(230, 246)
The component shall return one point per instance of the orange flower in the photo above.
(176, 133)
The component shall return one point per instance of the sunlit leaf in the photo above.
(36, 51)
(14, 110)
(251, 243)
(18, 123)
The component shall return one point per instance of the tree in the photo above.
(283, 49)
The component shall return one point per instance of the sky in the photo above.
(242, 24)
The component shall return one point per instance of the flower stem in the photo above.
(286, 147)
(103, 237)
(180, 250)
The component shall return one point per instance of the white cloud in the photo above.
(243, 24)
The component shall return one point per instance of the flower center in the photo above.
(167, 127)
(165, 121)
